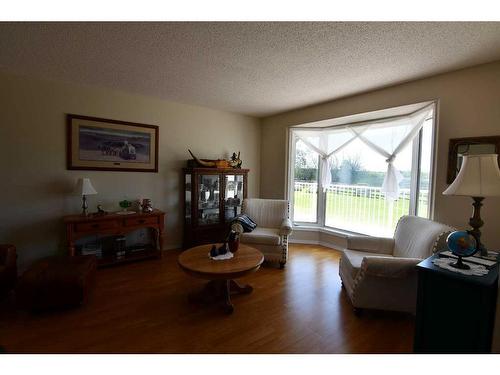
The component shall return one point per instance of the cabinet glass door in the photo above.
(233, 196)
(208, 199)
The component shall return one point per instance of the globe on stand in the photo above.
(461, 244)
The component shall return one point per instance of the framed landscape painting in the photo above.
(111, 145)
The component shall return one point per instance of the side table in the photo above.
(455, 312)
(78, 226)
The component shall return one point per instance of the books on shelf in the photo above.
(92, 249)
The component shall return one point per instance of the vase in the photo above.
(233, 245)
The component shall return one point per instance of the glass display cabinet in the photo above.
(212, 198)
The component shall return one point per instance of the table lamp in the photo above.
(479, 177)
(84, 187)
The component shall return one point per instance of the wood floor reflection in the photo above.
(143, 308)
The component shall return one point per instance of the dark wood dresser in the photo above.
(455, 312)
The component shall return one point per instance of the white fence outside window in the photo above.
(356, 208)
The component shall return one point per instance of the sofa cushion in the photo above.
(352, 259)
(262, 236)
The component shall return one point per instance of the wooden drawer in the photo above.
(141, 221)
(93, 227)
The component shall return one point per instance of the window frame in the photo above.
(414, 181)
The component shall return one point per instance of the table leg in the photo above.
(207, 295)
(228, 306)
(237, 288)
(219, 291)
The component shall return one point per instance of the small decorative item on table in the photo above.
(146, 205)
(221, 253)
(235, 161)
(100, 211)
(462, 244)
(233, 241)
(125, 204)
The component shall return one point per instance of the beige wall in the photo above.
(469, 105)
(36, 187)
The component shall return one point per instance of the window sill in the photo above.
(336, 232)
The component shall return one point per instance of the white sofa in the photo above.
(380, 273)
(273, 228)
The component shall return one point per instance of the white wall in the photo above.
(36, 187)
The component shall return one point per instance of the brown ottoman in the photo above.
(57, 282)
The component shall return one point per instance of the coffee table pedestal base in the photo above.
(219, 291)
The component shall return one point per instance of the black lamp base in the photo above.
(85, 206)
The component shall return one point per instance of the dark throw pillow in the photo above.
(247, 223)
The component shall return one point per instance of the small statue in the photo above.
(100, 211)
(213, 251)
(235, 161)
(223, 249)
(146, 206)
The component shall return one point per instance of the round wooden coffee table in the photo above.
(221, 273)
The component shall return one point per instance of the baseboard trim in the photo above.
(312, 242)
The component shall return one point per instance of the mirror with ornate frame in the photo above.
(471, 145)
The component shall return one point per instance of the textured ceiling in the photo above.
(252, 68)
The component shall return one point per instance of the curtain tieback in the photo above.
(391, 159)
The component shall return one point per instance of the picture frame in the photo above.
(471, 145)
(99, 144)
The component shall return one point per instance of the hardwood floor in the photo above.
(143, 308)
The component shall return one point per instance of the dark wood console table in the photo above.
(78, 226)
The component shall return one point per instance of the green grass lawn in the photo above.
(352, 212)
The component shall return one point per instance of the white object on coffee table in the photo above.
(225, 256)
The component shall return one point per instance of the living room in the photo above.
(274, 190)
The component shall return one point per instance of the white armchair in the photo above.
(273, 228)
(380, 273)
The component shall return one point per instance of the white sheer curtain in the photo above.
(388, 137)
(326, 143)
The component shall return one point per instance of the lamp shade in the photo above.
(479, 176)
(84, 187)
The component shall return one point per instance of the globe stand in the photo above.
(460, 265)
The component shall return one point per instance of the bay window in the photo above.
(363, 176)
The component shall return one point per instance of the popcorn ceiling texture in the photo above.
(250, 68)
